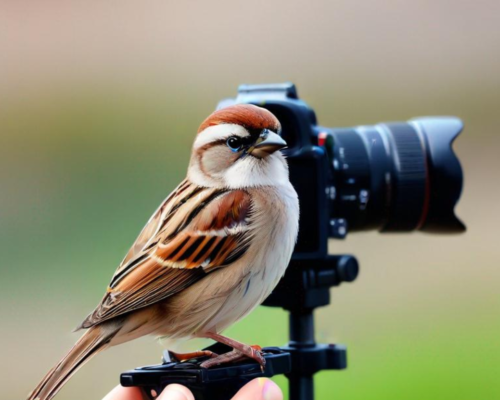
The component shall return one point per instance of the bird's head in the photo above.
(238, 147)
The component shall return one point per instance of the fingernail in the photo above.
(271, 391)
(262, 381)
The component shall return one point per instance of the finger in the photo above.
(259, 389)
(122, 393)
(176, 392)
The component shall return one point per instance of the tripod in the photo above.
(305, 287)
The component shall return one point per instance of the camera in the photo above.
(390, 177)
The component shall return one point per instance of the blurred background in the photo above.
(99, 104)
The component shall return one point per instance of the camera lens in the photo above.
(398, 177)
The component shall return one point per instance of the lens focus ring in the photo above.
(408, 178)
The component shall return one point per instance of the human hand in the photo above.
(258, 389)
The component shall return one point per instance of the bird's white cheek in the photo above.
(209, 168)
(216, 161)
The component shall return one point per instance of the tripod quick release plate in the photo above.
(220, 382)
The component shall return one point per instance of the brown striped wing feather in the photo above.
(195, 231)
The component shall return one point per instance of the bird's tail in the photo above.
(93, 341)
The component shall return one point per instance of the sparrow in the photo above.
(212, 252)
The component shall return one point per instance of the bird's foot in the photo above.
(195, 354)
(254, 352)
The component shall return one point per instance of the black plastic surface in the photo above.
(217, 383)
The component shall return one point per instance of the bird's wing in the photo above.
(195, 231)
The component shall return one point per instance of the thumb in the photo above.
(176, 392)
(259, 389)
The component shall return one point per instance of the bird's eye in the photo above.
(234, 143)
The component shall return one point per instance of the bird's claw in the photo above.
(255, 353)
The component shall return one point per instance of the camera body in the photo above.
(308, 163)
(392, 177)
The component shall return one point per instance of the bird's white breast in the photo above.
(275, 227)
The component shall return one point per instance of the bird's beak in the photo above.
(267, 143)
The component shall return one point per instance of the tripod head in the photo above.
(305, 287)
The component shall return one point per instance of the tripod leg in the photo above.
(253, 352)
